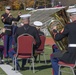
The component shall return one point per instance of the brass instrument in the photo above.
(52, 17)
(60, 20)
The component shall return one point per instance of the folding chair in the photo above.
(40, 50)
(25, 48)
(71, 66)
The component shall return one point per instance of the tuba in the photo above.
(60, 19)
(51, 17)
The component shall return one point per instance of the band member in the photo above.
(26, 28)
(7, 19)
(2, 31)
(38, 25)
(69, 31)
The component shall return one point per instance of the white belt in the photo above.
(7, 25)
(8, 29)
(72, 45)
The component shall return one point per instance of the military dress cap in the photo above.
(38, 23)
(72, 10)
(8, 7)
(24, 16)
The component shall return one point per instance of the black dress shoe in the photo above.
(17, 69)
(7, 62)
(1, 62)
(22, 68)
(35, 58)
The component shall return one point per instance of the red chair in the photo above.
(25, 48)
(40, 50)
(71, 66)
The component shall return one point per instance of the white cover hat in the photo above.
(38, 23)
(24, 16)
(8, 7)
(73, 10)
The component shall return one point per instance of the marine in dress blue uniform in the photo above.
(7, 19)
(26, 28)
(2, 31)
(69, 31)
(38, 25)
